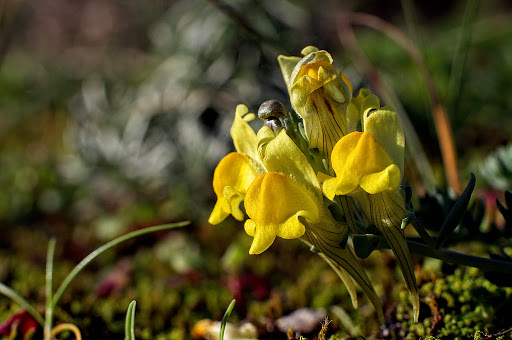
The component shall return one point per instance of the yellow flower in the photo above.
(237, 170)
(320, 95)
(361, 163)
(277, 201)
(369, 168)
(370, 161)
(275, 205)
(231, 180)
(288, 202)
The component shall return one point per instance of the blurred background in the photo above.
(114, 114)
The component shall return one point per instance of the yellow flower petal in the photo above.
(287, 65)
(363, 102)
(385, 127)
(359, 161)
(244, 137)
(231, 179)
(280, 154)
(386, 179)
(275, 204)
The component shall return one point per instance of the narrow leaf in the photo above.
(452, 220)
(508, 199)
(11, 294)
(89, 258)
(129, 326)
(507, 214)
(225, 319)
(48, 320)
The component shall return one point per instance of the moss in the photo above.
(463, 305)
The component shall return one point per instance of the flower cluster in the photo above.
(322, 173)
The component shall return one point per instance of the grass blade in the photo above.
(48, 319)
(11, 294)
(225, 319)
(460, 56)
(89, 258)
(130, 322)
(452, 220)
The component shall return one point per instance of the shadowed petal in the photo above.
(386, 210)
(326, 237)
(320, 96)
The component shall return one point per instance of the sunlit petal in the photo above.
(231, 179)
(287, 65)
(274, 204)
(359, 161)
(280, 154)
(244, 137)
(363, 102)
(385, 127)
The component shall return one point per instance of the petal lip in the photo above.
(231, 179)
(274, 203)
(359, 161)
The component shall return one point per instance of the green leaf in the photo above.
(89, 258)
(48, 320)
(225, 319)
(129, 326)
(507, 213)
(10, 293)
(452, 220)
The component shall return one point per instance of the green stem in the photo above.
(89, 258)
(48, 319)
(461, 259)
(5, 290)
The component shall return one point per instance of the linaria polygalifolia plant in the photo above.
(329, 171)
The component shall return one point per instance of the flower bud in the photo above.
(273, 113)
(320, 95)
